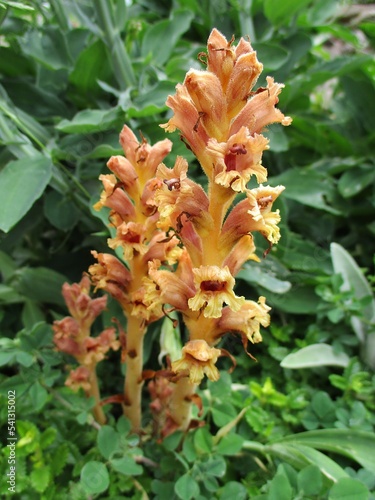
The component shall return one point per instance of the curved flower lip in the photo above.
(253, 214)
(130, 237)
(113, 196)
(198, 359)
(260, 110)
(111, 275)
(246, 321)
(238, 159)
(214, 286)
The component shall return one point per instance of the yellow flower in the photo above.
(238, 159)
(214, 286)
(247, 320)
(130, 237)
(253, 214)
(198, 359)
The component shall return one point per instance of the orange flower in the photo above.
(110, 275)
(79, 379)
(238, 159)
(198, 359)
(214, 286)
(130, 237)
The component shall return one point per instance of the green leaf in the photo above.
(186, 487)
(348, 489)
(48, 47)
(92, 65)
(301, 299)
(108, 441)
(273, 56)
(21, 183)
(203, 441)
(310, 480)
(127, 466)
(31, 314)
(315, 355)
(38, 396)
(40, 284)
(223, 413)
(353, 278)
(354, 444)
(161, 37)
(90, 120)
(282, 12)
(263, 277)
(94, 477)
(230, 444)
(151, 101)
(6, 357)
(300, 456)
(307, 187)
(280, 488)
(61, 211)
(24, 358)
(355, 180)
(40, 478)
(214, 466)
(232, 489)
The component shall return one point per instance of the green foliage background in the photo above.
(72, 73)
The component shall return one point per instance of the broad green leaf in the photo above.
(40, 284)
(25, 359)
(203, 441)
(300, 456)
(22, 182)
(300, 299)
(48, 47)
(355, 180)
(234, 490)
(40, 478)
(7, 357)
(108, 441)
(272, 55)
(151, 101)
(310, 480)
(354, 444)
(307, 187)
(279, 141)
(215, 466)
(186, 487)
(92, 65)
(344, 264)
(170, 339)
(126, 466)
(223, 413)
(230, 444)
(61, 211)
(90, 120)
(282, 12)
(38, 396)
(315, 355)
(280, 488)
(348, 489)
(10, 296)
(255, 274)
(161, 37)
(31, 314)
(94, 477)
(7, 265)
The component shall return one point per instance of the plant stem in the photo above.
(95, 393)
(134, 367)
(180, 405)
(121, 61)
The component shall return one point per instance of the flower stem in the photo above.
(95, 393)
(134, 367)
(180, 405)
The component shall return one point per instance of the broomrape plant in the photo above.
(182, 246)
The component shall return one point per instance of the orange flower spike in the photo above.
(81, 306)
(125, 173)
(79, 379)
(142, 156)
